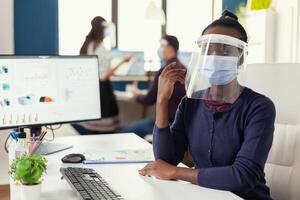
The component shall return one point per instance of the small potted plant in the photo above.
(28, 170)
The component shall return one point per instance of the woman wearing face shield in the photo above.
(93, 45)
(228, 128)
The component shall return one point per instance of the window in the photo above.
(187, 19)
(75, 22)
(135, 32)
(139, 28)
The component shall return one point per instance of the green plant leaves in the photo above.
(32, 177)
(28, 169)
(22, 167)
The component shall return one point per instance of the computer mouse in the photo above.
(73, 158)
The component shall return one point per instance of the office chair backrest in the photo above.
(281, 83)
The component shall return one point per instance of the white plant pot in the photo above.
(31, 192)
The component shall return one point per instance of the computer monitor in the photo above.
(42, 90)
(135, 67)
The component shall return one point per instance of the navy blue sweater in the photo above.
(230, 148)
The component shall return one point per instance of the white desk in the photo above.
(123, 178)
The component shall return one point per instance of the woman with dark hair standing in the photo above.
(228, 128)
(93, 45)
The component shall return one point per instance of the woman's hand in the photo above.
(159, 169)
(112, 70)
(167, 79)
(169, 76)
(127, 58)
(163, 170)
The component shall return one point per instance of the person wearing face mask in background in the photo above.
(93, 45)
(167, 52)
(228, 128)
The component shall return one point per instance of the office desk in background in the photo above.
(131, 111)
(124, 178)
(130, 78)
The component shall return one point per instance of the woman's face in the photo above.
(223, 49)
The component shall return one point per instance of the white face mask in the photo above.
(106, 32)
(160, 53)
(220, 70)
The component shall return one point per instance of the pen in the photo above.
(87, 162)
(39, 141)
(42, 135)
(33, 137)
(32, 144)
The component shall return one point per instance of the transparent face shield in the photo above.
(160, 51)
(214, 68)
(109, 35)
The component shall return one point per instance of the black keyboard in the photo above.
(89, 185)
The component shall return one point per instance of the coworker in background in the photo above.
(167, 52)
(93, 45)
(228, 128)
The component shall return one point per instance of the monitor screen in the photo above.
(135, 67)
(48, 90)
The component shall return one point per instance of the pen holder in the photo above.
(33, 146)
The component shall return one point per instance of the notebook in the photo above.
(119, 156)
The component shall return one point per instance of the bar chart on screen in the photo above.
(11, 119)
(47, 90)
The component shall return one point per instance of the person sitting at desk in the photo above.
(167, 52)
(227, 128)
(93, 45)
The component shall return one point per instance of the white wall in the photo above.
(274, 37)
(6, 27)
(3, 159)
(217, 9)
(188, 26)
(287, 45)
(298, 17)
(75, 22)
(6, 47)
